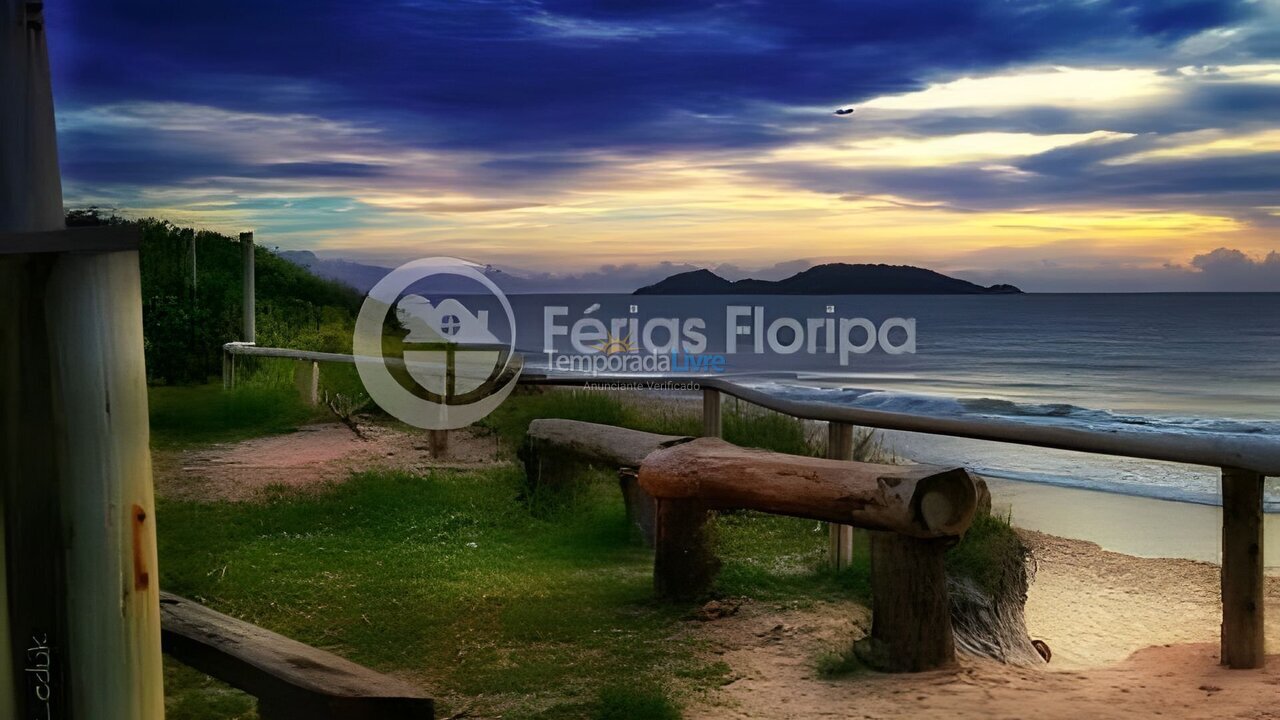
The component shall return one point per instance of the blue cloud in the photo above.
(565, 75)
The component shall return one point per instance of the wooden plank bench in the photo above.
(291, 681)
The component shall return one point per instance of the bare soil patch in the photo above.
(315, 455)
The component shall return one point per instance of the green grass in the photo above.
(773, 557)
(448, 579)
(192, 695)
(202, 414)
(832, 665)
(988, 552)
(445, 578)
(626, 702)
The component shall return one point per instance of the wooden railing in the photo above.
(1244, 462)
(289, 679)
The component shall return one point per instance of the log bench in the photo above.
(673, 484)
(556, 450)
(552, 444)
(291, 681)
(915, 511)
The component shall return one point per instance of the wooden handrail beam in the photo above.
(291, 680)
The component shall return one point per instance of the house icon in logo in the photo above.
(447, 322)
(446, 366)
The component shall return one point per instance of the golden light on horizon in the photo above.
(816, 194)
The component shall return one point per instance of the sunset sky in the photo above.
(1086, 145)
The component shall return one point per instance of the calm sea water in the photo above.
(1193, 364)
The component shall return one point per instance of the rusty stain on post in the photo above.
(141, 576)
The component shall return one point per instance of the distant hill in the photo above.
(830, 279)
(352, 274)
(362, 277)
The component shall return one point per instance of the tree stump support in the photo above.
(910, 607)
(684, 563)
(642, 509)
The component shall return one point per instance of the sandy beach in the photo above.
(1131, 637)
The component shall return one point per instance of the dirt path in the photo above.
(314, 455)
(1111, 620)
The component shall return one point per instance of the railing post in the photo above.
(306, 378)
(246, 249)
(1243, 642)
(439, 442)
(711, 422)
(840, 447)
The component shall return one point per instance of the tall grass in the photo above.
(203, 414)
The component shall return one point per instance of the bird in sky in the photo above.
(844, 111)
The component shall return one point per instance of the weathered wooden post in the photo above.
(439, 442)
(1243, 641)
(840, 447)
(641, 507)
(910, 606)
(306, 379)
(684, 561)
(246, 249)
(712, 425)
(81, 613)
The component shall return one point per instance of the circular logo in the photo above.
(454, 369)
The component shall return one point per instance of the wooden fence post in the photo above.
(712, 425)
(246, 249)
(306, 378)
(840, 447)
(439, 442)
(82, 612)
(113, 604)
(1243, 640)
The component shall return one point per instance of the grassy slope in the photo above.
(449, 580)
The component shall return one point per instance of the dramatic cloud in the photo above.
(564, 135)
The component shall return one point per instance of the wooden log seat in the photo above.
(916, 511)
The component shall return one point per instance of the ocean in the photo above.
(1189, 364)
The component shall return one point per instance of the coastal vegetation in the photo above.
(191, 300)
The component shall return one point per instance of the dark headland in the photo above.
(830, 279)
